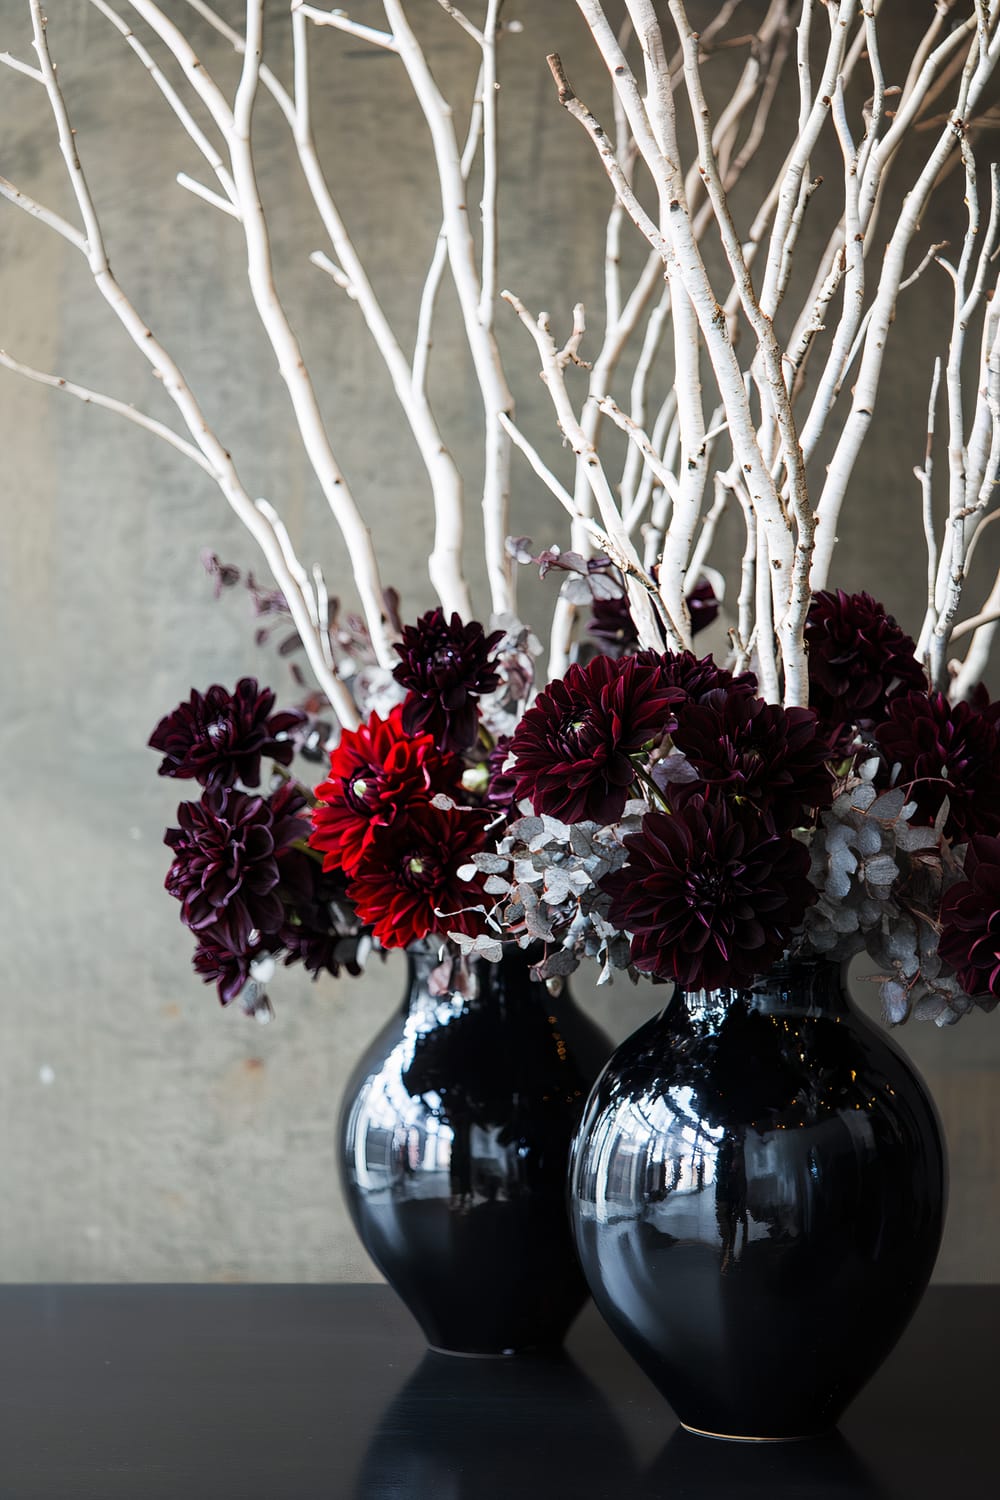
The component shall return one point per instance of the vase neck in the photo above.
(500, 985)
(795, 986)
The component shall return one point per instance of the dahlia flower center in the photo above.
(572, 731)
(361, 790)
(421, 871)
(216, 730)
(476, 779)
(711, 887)
(444, 658)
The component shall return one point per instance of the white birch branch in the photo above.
(110, 403)
(340, 22)
(620, 548)
(167, 370)
(482, 343)
(975, 76)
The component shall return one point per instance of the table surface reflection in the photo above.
(288, 1392)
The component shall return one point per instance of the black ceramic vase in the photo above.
(455, 1140)
(757, 1195)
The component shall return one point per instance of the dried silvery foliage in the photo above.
(516, 655)
(878, 875)
(545, 876)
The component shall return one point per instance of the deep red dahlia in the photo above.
(703, 606)
(980, 700)
(223, 959)
(758, 755)
(710, 898)
(320, 930)
(218, 738)
(970, 916)
(859, 659)
(377, 773)
(612, 627)
(572, 747)
(410, 872)
(446, 667)
(226, 854)
(946, 750)
(500, 791)
(695, 675)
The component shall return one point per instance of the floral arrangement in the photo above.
(832, 783)
(650, 811)
(376, 853)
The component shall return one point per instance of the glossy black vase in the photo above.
(455, 1140)
(757, 1194)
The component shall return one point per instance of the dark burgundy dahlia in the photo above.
(695, 675)
(859, 659)
(377, 773)
(703, 606)
(419, 867)
(970, 917)
(222, 958)
(319, 930)
(946, 750)
(446, 667)
(572, 747)
(709, 898)
(500, 790)
(758, 755)
(227, 849)
(218, 737)
(612, 627)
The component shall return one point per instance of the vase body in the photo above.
(455, 1139)
(757, 1195)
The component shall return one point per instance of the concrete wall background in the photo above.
(146, 1135)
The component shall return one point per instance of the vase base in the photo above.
(739, 1437)
(474, 1353)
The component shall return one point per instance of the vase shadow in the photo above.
(488, 1429)
(701, 1468)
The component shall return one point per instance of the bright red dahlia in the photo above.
(226, 855)
(709, 898)
(446, 667)
(377, 773)
(970, 914)
(412, 879)
(218, 738)
(946, 750)
(572, 747)
(759, 755)
(859, 659)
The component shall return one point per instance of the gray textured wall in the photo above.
(146, 1135)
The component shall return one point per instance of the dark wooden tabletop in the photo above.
(288, 1392)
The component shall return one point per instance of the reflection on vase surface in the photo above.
(825, 1468)
(757, 1196)
(492, 1429)
(455, 1138)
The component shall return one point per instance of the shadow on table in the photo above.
(493, 1429)
(699, 1468)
